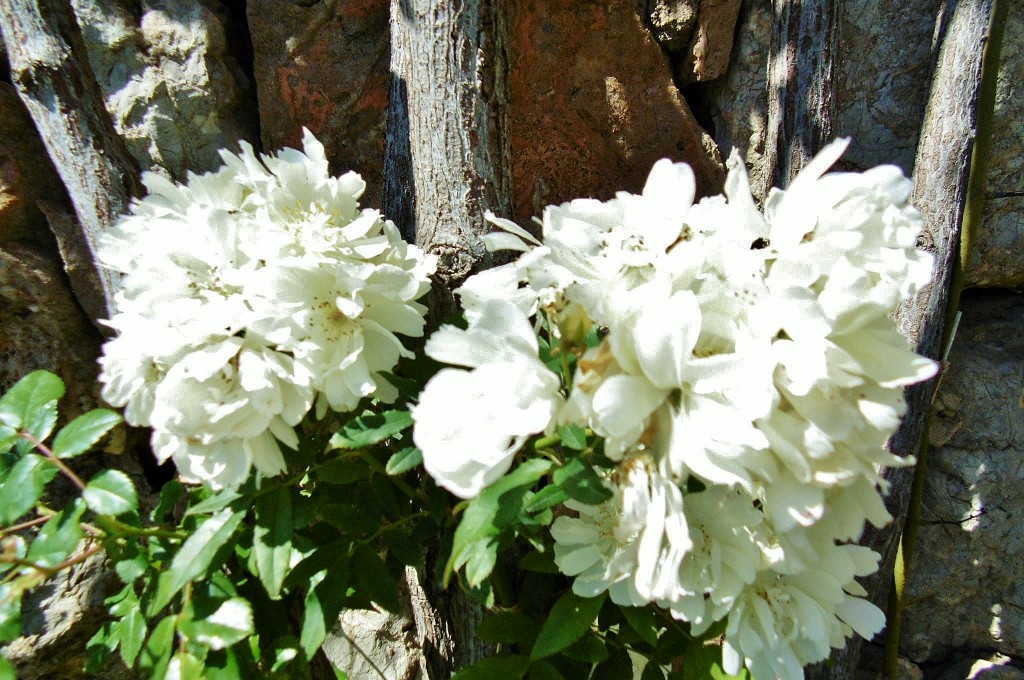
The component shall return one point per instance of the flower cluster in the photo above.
(251, 294)
(747, 378)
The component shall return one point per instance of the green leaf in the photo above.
(196, 554)
(10, 612)
(31, 404)
(544, 670)
(570, 618)
(170, 493)
(272, 539)
(375, 580)
(214, 503)
(58, 537)
(231, 622)
(644, 621)
(480, 560)
(158, 648)
(8, 438)
(573, 437)
(405, 460)
(511, 667)
(184, 666)
(652, 671)
(349, 519)
(702, 661)
(323, 604)
(617, 666)
(342, 471)
(508, 628)
(548, 497)
(111, 493)
(405, 549)
(588, 648)
(371, 428)
(581, 483)
(493, 510)
(541, 562)
(24, 486)
(133, 634)
(6, 669)
(83, 432)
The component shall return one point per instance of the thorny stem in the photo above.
(24, 525)
(50, 571)
(45, 450)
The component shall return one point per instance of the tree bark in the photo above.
(51, 71)
(941, 173)
(447, 153)
(801, 85)
(446, 163)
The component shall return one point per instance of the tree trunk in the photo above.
(446, 163)
(940, 178)
(801, 85)
(51, 70)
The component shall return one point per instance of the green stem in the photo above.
(974, 208)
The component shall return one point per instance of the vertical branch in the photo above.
(941, 173)
(446, 155)
(446, 163)
(801, 85)
(51, 72)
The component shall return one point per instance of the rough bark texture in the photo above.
(446, 163)
(940, 185)
(447, 154)
(52, 74)
(801, 85)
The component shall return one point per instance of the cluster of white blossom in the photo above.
(249, 295)
(747, 380)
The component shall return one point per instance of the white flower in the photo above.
(724, 557)
(632, 544)
(249, 294)
(470, 424)
(782, 622)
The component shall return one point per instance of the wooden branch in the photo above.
(447, 153)
(50, 69)
(446, 163)
(941, 173)
(801, 86)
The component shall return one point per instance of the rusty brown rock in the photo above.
(325, 67)
(26, 174)
(593, 106)
(707, 56)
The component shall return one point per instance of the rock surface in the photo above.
(324, 66)
(997, 258)
(738, 103)
(172, 90)
(593, 106)
(707, 55)
(370, 644)
(964, 588)
(26, 174)
(884, 71)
